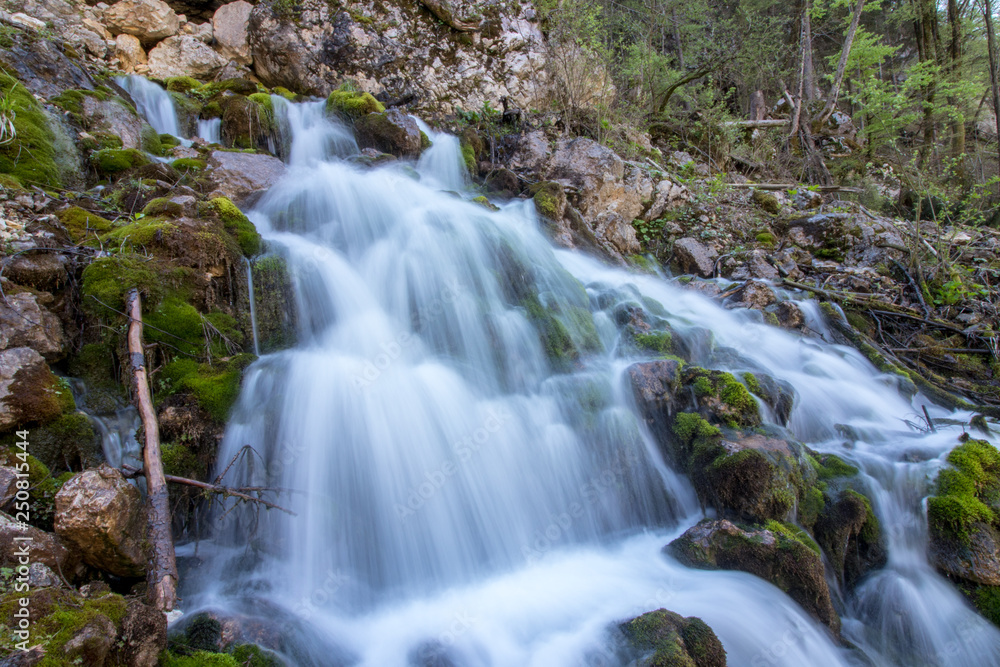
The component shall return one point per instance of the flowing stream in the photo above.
(459, 503)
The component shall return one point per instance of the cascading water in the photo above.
(153, 102)
(210, 130)
(460, 504)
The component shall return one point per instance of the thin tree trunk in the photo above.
(162, 577)
(808, 71)
(955, 66)
(994, 73)
(838, 79)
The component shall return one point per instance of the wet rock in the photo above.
(130, 54)
(28, 658)
(754, 295)
(27, 388)
(149, 20)
(43, 68)
(46, 549)
(114, 117)
(229, 27)
(667, 638)
(694, 257)
(242, 176)
(774, 554)
(767, 201)
(91, 644)
(143, 634)
(655, 385)
(25, 323)
(391, 132)
(756, 265)
(102, 514)
(851, 537)
(183, 55)
(975, 558)
(789, 315)
(8, 484)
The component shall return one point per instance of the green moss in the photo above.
(30, 157)
(485, 203)
(547, 197)
(199, 659)
(555, 339)
(986, 599)
(425, 141)
(188, 164)
(237, 224)
(112, 161)
(735, 395)
(67, 442)
(659, 342)
(150, 140)
(872, 529)
(9, 182)
(109, 278)
(469, 157)
(264, 101)
(68, 618)
(162, 206)
(180, 325)
(765, 238)
(249, 655)
(830, 466)
(178, 460)
(100, 141)
(792, 532)
(141, 233)
(82, 224)
(211, 110)
(703, 387)
(698, 441)
(811, 505)
(181, 84)
(216, 388)
(284, 92)
(352, 104)
(238, 86)
(967, 492)
(168, 141)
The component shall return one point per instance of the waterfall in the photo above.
(210, 130)
(464, 497)
(152, 102)
(253, 306)
(442, 162)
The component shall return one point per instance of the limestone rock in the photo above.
(695, 257)
(391, 132)
(44, 271)
(92, 643)
(26, 323)
(242, 176)
(655, 385)
(773, 556)
(114, 116)
(230, 25)
(753, 294)
(130, 53)
(102, 514)
(183, 55)
(666, 196)
(144, 635)
(27, 388)
(149, 20)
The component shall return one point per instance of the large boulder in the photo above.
(666, 638)
(184, 55)
(850, 535)
(391, 132)
(26, 323)
(773, 553)
(402, 50)
(102, 514)
(695, 257)
(131, 56)
(113, 116)
(242, 176)
(73, 23)
(41, 270)
(143, 635)
(229, 26)
(28, 389)
(149, 20)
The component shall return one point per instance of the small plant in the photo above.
(8, 132)
(647, 232)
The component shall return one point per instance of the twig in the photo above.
(228, 491)
(930, 424)
(915, 287)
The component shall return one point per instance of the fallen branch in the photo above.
(243, 493)
(756, 124)
(163, 571)
(793, 186)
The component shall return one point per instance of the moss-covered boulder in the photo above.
(962, 515)
(779, 553)
(29, 392)
(666, 639)
(30, 156)
(351, 105)
(116, 161)
(850, 535)
(275, 304)
(248, 122)
(237, 224)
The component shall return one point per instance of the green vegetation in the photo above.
(114, 161)
(967, 492)
(237, 224)
(351, 104)
(28, 156)
(216, 388)
(83, 225)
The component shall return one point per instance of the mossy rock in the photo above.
(101, 140)
(186, 164)
(273, 291)
(247, 122)
(667, 639)
(107, 279)
(30, 157)
(163, 207)
(549, 198)
(722, 397)
(851, 536)
(115, 161)
(215, 387)
(485, 203)
(44, 486)
(237, 86)
(284, 92)
(9, 182)
(564, 331)
(149, 140)
(237, 224)
(143, 233)
(82, 224)
(767, 201)
(68, 442)
(351, 105)
(168, 141)
(181, 84)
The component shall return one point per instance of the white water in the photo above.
(152, 102)
(460, 504)
(251, 297)
(210, 130)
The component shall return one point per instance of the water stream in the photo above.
(459, 503)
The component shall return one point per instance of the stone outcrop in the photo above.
(774, 555)
(26, 323)
(131, 56)
(149, 20)
(391, 132)
(230, 26)
(46, 550)
(695, 257)
(102, 515)
(666, 638)
(398, 50)
(184, 55)
(27, 388)
(242, 176)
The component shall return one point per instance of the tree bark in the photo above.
(994, 72)
(808, 70)
(955, 67)
(162, 578)
(838, 79)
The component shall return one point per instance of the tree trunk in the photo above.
(927, 43)
(991, 39)
(162, 577)
(838, 79)
(808, 70)
(955, 69)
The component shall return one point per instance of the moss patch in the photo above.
(967, 492)
(83, 224)
(237, 224)
(113, 161)
(30, 157)
(109, 278)
(351, 104)
(216, 388)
